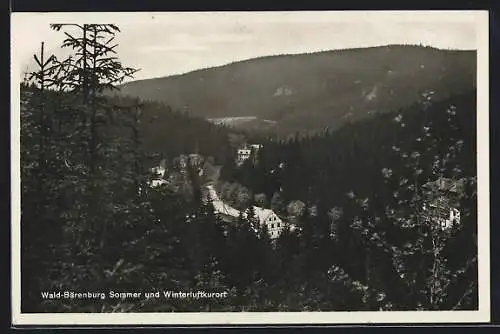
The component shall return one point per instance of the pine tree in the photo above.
(422, 237)
(82, 180)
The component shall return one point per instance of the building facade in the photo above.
(245, 152)
(273, 222)
(442, 202)
(243, 155)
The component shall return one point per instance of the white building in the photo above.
(268, 217)
(442, 202)
(273, 222)
(158, 176)
(245, 152)
(444, 215)
(157, 182)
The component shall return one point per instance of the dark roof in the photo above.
(446, 185)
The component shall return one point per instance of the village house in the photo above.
(442, 214)
(158, 171)
(442, 202)
(245, 152)
(243, 155)
(158, 175)
(268, 217)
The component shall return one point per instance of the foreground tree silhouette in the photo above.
(84, 191)
(92, 69)
(415, 242)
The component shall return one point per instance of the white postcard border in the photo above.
(481, 18)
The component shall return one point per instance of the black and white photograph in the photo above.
(301, 167)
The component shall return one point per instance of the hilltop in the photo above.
(286, 93)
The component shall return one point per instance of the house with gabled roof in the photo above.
(442, 202)
(245, 152)
(268, 217)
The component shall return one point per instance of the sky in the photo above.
(169, 43)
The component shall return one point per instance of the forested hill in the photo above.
(362, 188)
(169, 133)
(327, 166)
(309, 91)
(162, 131)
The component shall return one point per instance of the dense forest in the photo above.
(91, 223)
(328, 165)
(306, 92)
(368, 181)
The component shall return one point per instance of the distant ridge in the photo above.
(298, 54)
(314, 90)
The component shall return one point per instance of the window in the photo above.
(279, 225)
(443, 223)
(272, 225)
